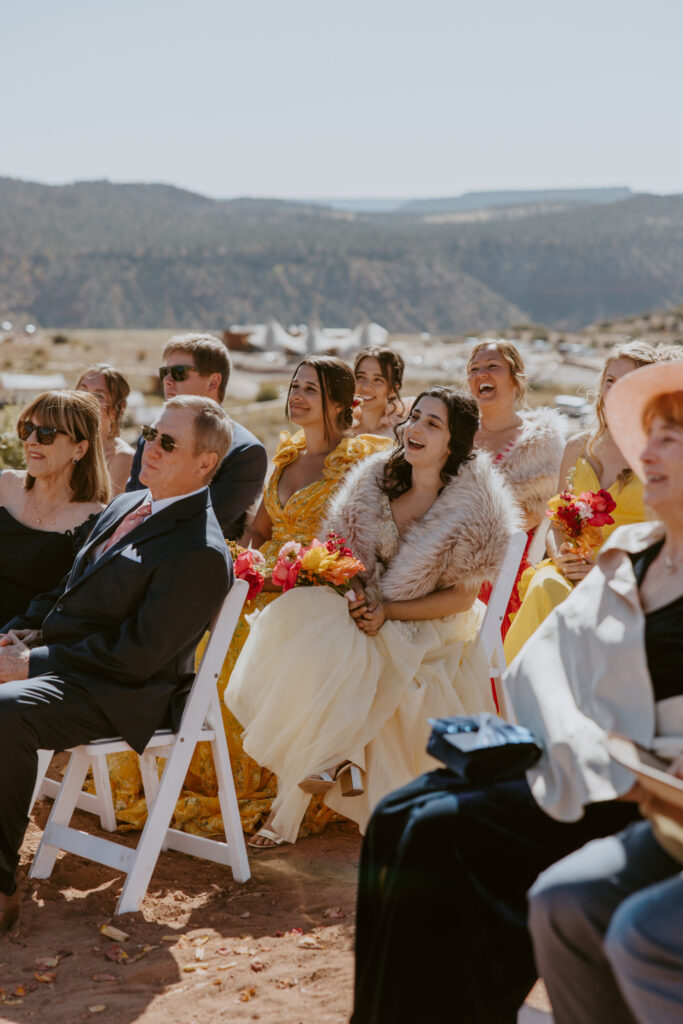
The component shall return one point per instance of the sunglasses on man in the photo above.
(178, 373)
(44, 435)
(165, 440)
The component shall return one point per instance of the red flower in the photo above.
(602, 504)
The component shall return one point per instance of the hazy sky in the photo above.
(305, 98)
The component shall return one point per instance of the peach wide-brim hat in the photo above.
(627, 400)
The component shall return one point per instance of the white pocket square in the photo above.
(130, 552)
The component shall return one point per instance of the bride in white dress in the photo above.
(334, 695)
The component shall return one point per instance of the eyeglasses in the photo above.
(178, 373)
(165, 440)
(44, 435)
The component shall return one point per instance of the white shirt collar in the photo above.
(163, 503)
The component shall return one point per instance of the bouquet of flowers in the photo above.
(248, 564)
(580, 518)
(330, 564)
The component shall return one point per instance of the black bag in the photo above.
(482, 748)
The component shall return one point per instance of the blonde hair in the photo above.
(641, 354)
(512, 357)
(77, 414)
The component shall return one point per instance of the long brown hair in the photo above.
(118, 390)
(77, 414)
(463, 423)
(337, 384)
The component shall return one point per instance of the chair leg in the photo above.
(150, 780)
(44, 758)
(105, 803)
(154, 833)
(232, 824)
(62, 811)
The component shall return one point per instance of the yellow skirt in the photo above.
(541, 589)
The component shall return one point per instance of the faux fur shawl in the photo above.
(462, 539)
(532, 466)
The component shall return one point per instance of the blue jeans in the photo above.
(607, 928)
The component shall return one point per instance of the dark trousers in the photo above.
(42, 713)
(441, 931)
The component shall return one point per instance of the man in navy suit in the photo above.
(199, 364)
(111, 651)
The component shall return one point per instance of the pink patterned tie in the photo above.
(132, 520)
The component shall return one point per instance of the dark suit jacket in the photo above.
(238, 479)
(125, 626)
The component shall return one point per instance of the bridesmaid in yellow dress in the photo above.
(308, 467)
(591, 460)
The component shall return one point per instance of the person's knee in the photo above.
(555, 908)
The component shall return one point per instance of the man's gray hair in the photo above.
(212, 425)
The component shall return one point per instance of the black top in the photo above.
(33, 561)
(663, 634)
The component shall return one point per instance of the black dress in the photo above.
(441, 930)
(33, 561)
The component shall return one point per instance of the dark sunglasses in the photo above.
(44, 435)
(177, 373)
(165, 440)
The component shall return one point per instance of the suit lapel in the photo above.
(153, 526)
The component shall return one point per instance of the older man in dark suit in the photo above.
(111, 651)
(199, 364)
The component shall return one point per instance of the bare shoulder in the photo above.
(11, 482)
(576, 444)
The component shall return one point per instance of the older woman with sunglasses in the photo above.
(47, 510)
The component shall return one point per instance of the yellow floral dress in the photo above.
(543, 587)
(197, 810)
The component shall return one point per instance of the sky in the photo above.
(360, 98)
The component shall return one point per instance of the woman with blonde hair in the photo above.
(47, 510)
(525, 444)
(111, 389)
(591, 461)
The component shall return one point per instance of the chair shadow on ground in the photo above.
(291, 888)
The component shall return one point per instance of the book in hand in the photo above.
(650, 768)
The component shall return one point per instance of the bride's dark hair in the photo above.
(463, 423)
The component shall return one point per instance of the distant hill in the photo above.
(94, 254)
(524, 197)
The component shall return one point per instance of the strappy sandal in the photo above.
(321, 782)
(274, 840)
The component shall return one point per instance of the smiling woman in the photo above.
(430, 522)
(111, 389)
(47, 511)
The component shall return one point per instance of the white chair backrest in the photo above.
(222, 628)
(489, 634)
(537, 546)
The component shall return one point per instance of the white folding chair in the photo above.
(537, 547)
(100, 802)
(201, 710)
(490, 637)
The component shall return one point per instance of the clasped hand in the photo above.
(368, 617)
(14, 654)
(574, 567)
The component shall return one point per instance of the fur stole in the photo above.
(462, 539)
(532, 466)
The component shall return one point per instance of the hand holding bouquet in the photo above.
(580, 518)
(248, 564)
(330, 564)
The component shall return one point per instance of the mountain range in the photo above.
(97, 254)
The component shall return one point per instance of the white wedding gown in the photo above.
(311, 690)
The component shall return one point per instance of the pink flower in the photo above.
(248, 566)
(288, 565)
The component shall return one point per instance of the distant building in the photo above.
(20, 388)
(311, 340)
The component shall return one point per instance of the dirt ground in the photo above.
(202, 949)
